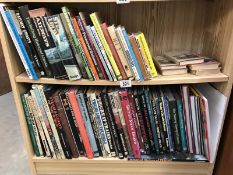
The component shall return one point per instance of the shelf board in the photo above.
(160, 80)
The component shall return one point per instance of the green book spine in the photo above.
(30, 127)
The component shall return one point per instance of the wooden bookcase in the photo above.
(200, 25)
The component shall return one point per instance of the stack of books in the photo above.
(148, 123)
(73, 45)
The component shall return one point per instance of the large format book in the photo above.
(184, 57)
(104, 28)
(143, 44)
(32, 130)
(205, 71)
(47, 43)
(77, 113)
(96, 22)
(64, 51)
(120, 52)
(31, 28)
(130, 123)
(18, 43)
(65, 124)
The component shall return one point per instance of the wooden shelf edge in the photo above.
(160, 80)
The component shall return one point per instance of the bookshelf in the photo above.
(199, 25)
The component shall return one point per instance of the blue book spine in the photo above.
(132, 53)
(152, 120)
(167, 118)
(30, 70)
(87, 122)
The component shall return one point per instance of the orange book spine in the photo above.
(80, 37)
(80, 123)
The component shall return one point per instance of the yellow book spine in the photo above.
(145, 47)
(95, 21)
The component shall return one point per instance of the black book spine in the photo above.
(72, 121)
(112, 126)
(88, 44)
(29, 47)
(142, 125)
(23, 10)
(59, 127)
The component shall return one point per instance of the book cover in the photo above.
(104, 28)
(31, 28)
(120, 52)
(130, 123)
(80, 123)
(96, 22)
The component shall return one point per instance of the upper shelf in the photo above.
(160, 80)
(83, 1)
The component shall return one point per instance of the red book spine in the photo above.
(104, 28)
(80, 123)
(130, 123)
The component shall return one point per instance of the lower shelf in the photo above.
(111, 166)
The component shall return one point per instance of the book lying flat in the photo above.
(208, 63)
(164, 63)
(205, 72)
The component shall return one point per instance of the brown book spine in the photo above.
(104, 28)
(138, 57)
(65, 124)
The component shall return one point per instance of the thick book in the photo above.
(80, 123)
(47, 43)
(65, 124)
(120, 52)
(144, 45)
(205, 71)
(63, 47)
(31, 129)
(104, 28)
(130, 123)
(83, 108)
(31, 28)
(57, 121)
(18, 43)
(96, 22)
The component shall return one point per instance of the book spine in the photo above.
(104, 28)
(78, 52)
(40, 125)
(168, 124)
(80, 123)
(106, 126)
(66, 125)
(100, 124)
(145, 47)
(120, 52)
(107, 74)
(29, 120)
(105, 57)
(105, 44)
(132, 55)
(19, 44)
(64, 51)
(50, 119)
(94, 124)
(23, 10)
(72, 121)
(29, 47)
(87, 122)
(45, 123)
(59, 127)
(142, 127)
(49, 48)
(194, 124)
(152, 121)
(87, 42)
(118, 122)
(130, 123)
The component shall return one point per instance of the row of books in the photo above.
(160, 122)
(73, 45)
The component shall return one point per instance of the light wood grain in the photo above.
(160, 80)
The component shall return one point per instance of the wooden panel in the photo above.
(160, 80)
